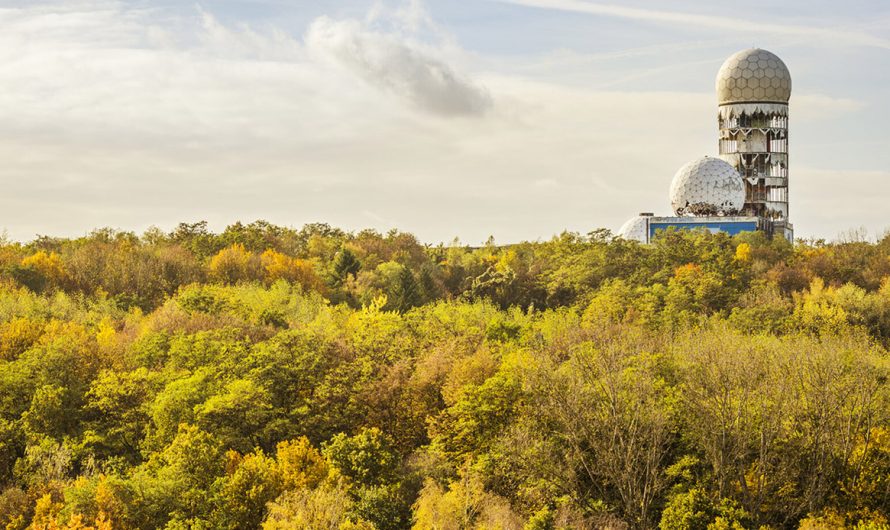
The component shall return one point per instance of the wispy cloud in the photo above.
(855, 37)
(397, 65)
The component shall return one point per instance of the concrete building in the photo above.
(746, 187)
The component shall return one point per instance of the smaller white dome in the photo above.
(635, 229)
(707, 186)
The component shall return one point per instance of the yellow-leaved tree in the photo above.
(278, 266)
(234, 264)
(42, 270)
(17, 335)
(46, 517)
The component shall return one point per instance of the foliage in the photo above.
(267, 377)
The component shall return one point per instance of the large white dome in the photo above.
(753, 76)
(635, 229)
(707, 186)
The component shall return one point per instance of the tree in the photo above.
(197, 238)
(50, 413)
(279, 266)
(406, 293)
(345, 265)
(301, 466)
(118, 415)
(597, 428)
(47, 269)
(323, 508)
(365, 458)
(245, 492)
(233, 264)
(17, 335)
(465, 504)
(237, 415)
(173, 486)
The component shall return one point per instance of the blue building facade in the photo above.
(729, 225)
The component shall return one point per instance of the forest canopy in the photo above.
(277, 378)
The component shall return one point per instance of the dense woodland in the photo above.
(273, 378)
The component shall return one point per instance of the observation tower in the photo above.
(746, 188)
(753, 89)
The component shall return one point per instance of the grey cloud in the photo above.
(395, 65)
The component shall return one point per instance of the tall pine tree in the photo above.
(407, 292)
(345, 264)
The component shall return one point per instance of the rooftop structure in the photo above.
(636, 228)
(753, 76)
(707, 186)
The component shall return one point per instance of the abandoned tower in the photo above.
(746, 187)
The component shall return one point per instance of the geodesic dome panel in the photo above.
(707, 186)
(635, 229)
(753, 75)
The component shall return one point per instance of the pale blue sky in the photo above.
(512, 118)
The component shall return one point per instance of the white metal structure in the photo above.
(753, 75)
(636, 229)
(753, 89)
(746, 188)
(707, 187)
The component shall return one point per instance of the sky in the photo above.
(516, 119)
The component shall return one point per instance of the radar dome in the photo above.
(753, 76)
(635, 229)
(707, 186)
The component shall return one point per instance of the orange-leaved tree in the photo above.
(278, 266)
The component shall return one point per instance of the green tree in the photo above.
(406, 293)
(366, 458)
(237, 415)
(345, 265)
(117, 413)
